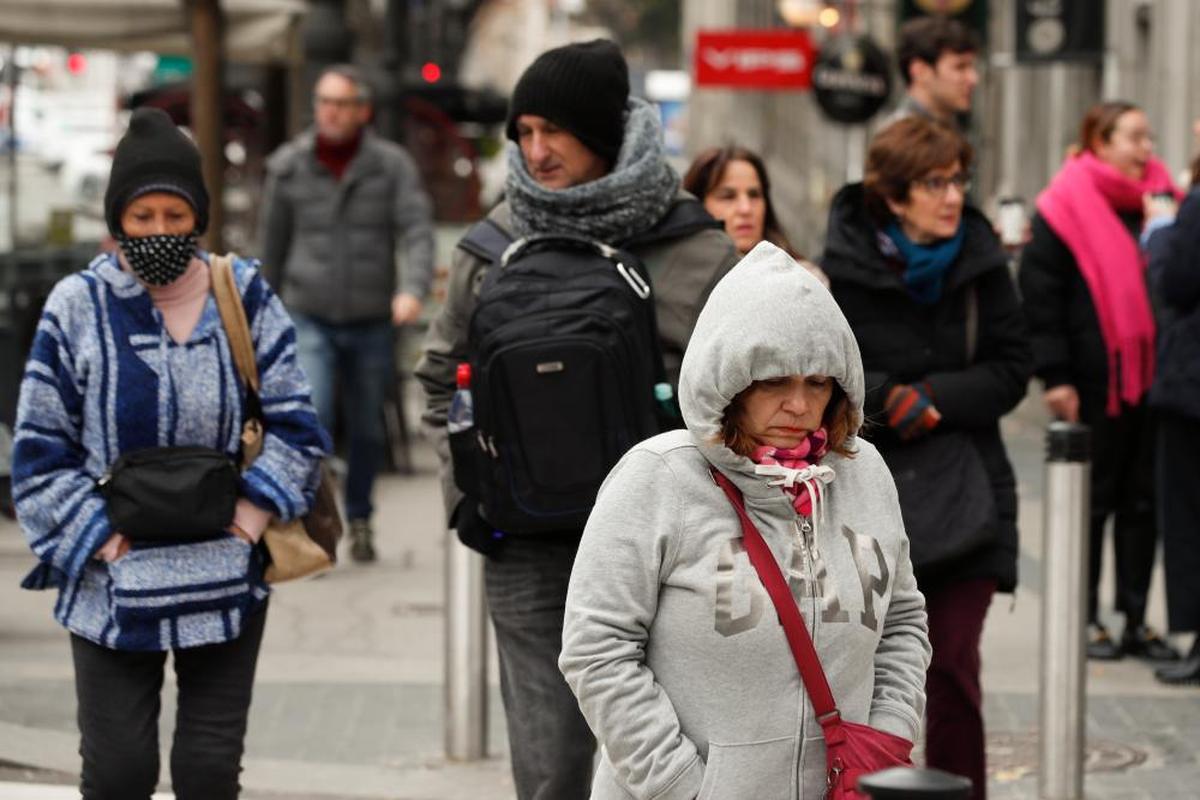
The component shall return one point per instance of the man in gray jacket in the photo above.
(338, 201)
(588, 160)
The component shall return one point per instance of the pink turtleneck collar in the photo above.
(180, 302)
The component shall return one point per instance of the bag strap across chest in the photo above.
(803, 651)
(241, 347)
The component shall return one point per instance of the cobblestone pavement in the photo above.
(348, 702)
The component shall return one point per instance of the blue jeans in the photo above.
(551, 746)
(360, 354)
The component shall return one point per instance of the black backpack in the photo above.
(565, 356)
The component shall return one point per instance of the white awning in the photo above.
(256, 31)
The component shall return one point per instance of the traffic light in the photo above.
(431, 72)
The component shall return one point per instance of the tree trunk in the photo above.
(206, 24)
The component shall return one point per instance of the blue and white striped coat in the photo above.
(104, 377)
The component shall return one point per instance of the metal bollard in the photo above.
(906, 783)
(466, 654)
(1062, 698)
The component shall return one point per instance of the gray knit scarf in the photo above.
(611, 209)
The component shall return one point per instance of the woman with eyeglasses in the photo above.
(1083, 279)
(925, 286)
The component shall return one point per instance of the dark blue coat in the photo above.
(1175, 279)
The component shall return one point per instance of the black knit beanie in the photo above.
(582, 88)
(154, 156)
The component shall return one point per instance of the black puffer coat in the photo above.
(904, 342)
(1068, 347)
(1175, 277)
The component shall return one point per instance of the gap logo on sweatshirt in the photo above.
(734, 585)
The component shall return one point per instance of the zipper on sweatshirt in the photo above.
(804, 539)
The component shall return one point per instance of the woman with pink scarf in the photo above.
(1083, 278)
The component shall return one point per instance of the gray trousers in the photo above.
(551, 746)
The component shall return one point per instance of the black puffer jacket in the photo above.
(1068, 347)
(1175, 277)
(903, 342)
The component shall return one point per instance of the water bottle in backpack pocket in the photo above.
(460, 425)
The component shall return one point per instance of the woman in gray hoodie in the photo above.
(670, 642)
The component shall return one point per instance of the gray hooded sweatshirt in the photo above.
(670, 642)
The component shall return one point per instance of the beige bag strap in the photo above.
(237, 330)
(233, 317)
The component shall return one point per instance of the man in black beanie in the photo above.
(587, 160)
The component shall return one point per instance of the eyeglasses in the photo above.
(337, 102)
(938, 184)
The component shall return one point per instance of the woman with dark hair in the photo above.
(670, 641)
(925, 285)
(131, 364)
(1083, 279)
(733, 184)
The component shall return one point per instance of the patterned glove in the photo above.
(910, 411)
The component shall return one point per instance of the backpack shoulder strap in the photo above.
(233, 317)
(685, 217)
(486, 240)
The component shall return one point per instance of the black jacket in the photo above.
(1175, 278)
(904, 342)
(1068, 347)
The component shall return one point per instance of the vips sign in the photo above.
(769, 59)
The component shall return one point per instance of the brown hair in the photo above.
(906, 151)
(927, 38)
(1099, 123)
(707, 170)
(841, 420)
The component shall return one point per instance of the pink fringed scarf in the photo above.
(806, 454)
(1081, 205)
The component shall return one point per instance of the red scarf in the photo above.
(806, 454)
(1081, 205)
(336, 156)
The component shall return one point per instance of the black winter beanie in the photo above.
(582, 88)
(154, 156)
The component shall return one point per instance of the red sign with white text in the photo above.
(766, 59)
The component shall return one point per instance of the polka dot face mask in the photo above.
(158, 259)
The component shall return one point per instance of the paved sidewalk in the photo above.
(349, 704)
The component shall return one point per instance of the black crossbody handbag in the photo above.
(169, 494)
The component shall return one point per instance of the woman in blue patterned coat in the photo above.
(130, 353)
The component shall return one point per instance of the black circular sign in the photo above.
(852, 79)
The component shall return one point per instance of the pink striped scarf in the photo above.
(806, 454)
(1081, 205)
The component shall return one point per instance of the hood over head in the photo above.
(768, 318)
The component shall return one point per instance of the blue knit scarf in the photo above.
(925, 264)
